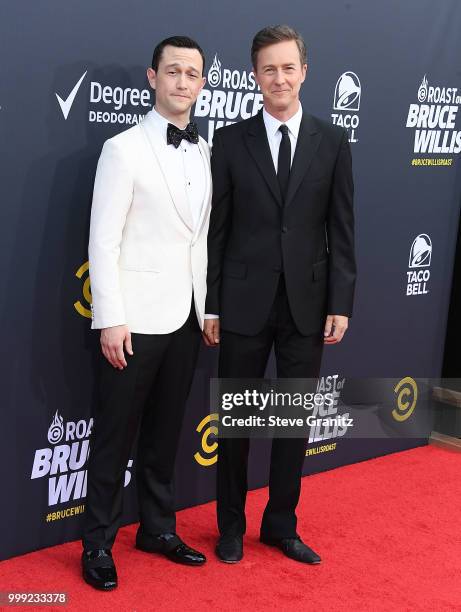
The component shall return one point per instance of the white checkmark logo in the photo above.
(66, 104)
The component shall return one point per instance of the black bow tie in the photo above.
(174, 135)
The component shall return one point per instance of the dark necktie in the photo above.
(174, 135)
(284, 161)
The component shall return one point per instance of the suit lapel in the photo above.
(176, 187)
(206, 200)
(306, 146)
(258, 146)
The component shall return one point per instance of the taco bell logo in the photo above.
(419, 262)
(346, 101)
(420, 252)
(347, 92)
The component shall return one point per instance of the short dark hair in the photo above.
(183, 42)
(275, 34)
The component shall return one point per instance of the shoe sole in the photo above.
(287, 556)
(100, 588)
(305, 562)
(229, 561)
(158, 552)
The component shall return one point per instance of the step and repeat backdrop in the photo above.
(73, 75)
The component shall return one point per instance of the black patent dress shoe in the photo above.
(230, 548)
(294, 548)
(98, 569)
(171, 546)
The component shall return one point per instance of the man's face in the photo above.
(279, 73)
(178, 80)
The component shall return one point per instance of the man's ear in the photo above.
(304, 69)
(152, 77)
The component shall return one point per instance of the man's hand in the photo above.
(211, 332)
(113, 339)
(335, 328)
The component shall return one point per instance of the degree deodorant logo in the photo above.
(407, 396)
(66, 103)
(105, 102)
(208, 454)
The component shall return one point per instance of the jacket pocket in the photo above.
(320, 270)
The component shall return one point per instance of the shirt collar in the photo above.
(272, 124)
(160, 122)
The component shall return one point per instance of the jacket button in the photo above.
(284, 229)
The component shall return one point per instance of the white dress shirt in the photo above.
(191, 167)
(274, 136)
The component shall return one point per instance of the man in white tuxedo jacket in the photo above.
(148, 262)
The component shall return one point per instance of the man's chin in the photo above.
(280, 104)
(179, 109)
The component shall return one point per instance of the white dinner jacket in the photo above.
(145, 259)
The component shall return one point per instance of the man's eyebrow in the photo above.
(176, 65)
(287, 65)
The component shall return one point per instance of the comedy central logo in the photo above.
(407, 396)
(208, 456)
(419, 262)
(108, 102)
(215, 72)
(422, 90)
(84, 306)
(346, 101)
(56, 429)
(232, 95)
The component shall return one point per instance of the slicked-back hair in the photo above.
(182, 42)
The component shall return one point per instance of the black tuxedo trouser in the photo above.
(242, 356)
(150, 393)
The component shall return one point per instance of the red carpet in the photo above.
(388, 531)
